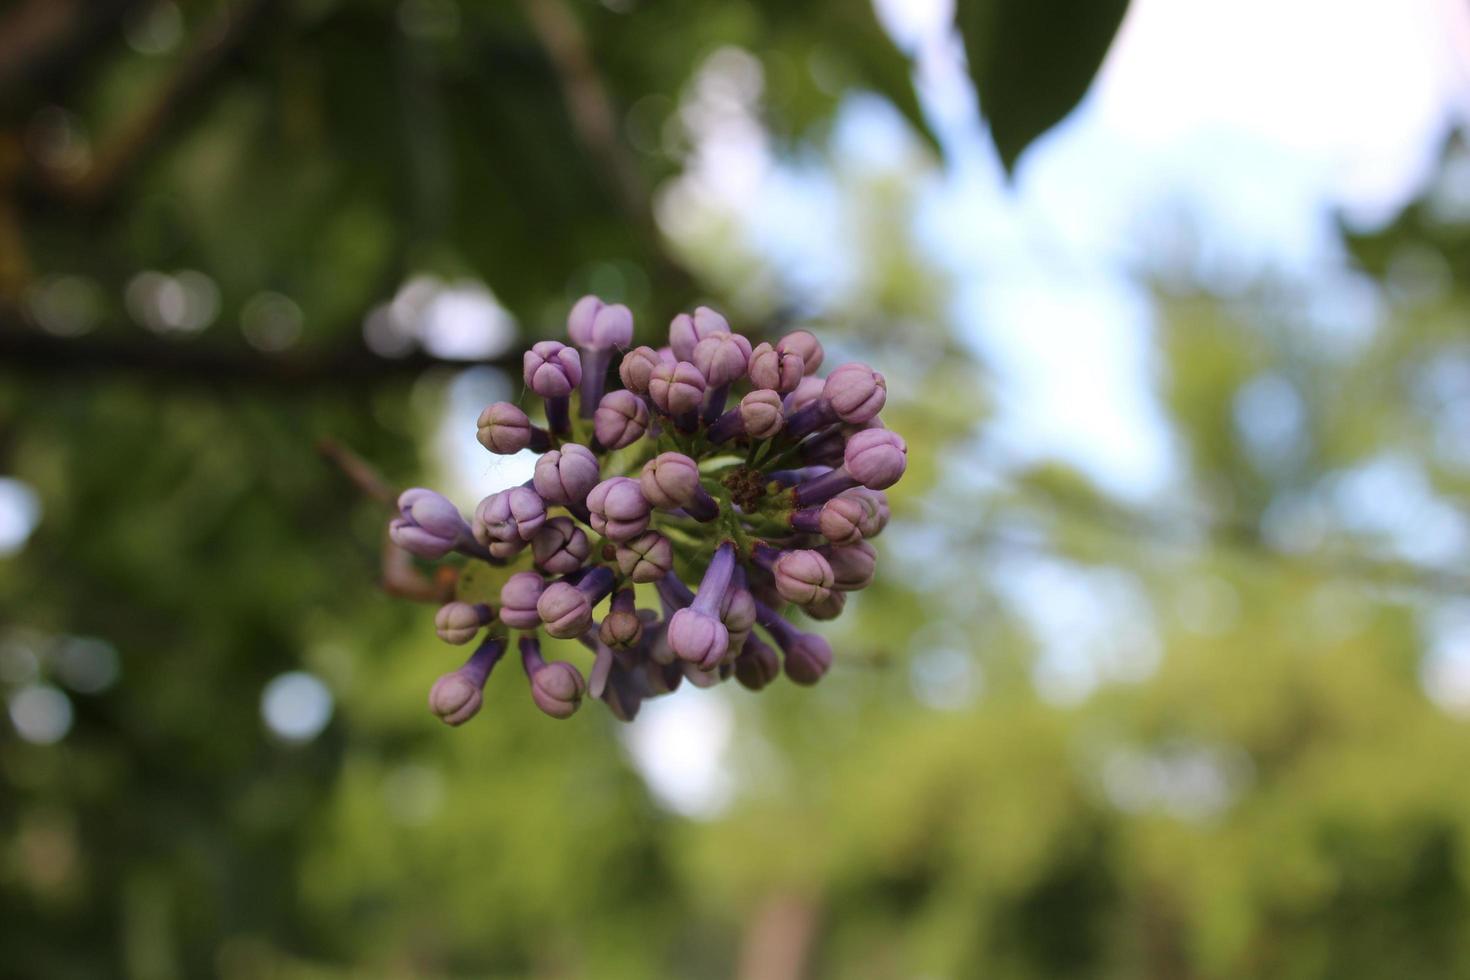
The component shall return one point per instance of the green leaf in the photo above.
(1033, 60)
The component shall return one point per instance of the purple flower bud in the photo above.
(646, 558)
(676, 389)
(696, 633)
(876, 458)
(687, 331)
(518, 598)
(560, 546)
(598, 326)
(510, 518)
(700, 678)
(771, 369)
(556, 687)
(618, 509)
(722, 358)
(737, 612)
(808, 391)
(622, 627)
(505, 429)
(456, 697)
(839, 520)
(429, 526)
(459, 622)
(566, 609)
(875, 510)
(621, 419)
(852, 566)
(638, 366)
(855, 392)
(760, 414)
(808, 659)
(565, 475)
(830, 608)
(670, 481)
(757, 664)
(623, 694)
(552, 369)
(802, 576)
(805, 345)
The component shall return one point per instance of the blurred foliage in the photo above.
(1258, 787)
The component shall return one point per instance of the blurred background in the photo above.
(1167, 672)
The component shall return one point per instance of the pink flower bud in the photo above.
(876, 458)
(455, 699)
(518, 598)
(804, 344)
(622, 627)
(598, 326)
(565, 610)
(697, 637)
(722, 358)
(774, 370)
(855, 392)
(646, 558)
(670, 481)
(687, 331)
(618, 508)
(757, 665)
(502, 428)
(808, 658)
(761, 415)
(560, 546)
(565, 475)
(841, 519)
(802, 576)
(621, 419)
(511, 517)
(638, 366)
(552, 369)
(459, 622)
(557, 689)
(852, 566)
(677, 388)
(428, 525)
(829, 608)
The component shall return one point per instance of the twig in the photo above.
(359, 471)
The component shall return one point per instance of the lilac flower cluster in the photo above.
(769, 496)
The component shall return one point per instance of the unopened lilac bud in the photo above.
(552, 369)
(556, 687)
(699, 677)
(840, 520)
(456, 697)
(429, 525)
(565, 475)
(808, 659)
(805, 345)
(722, 358)
(829, 608)
(875, 510)
(808, 391)
(852, 566)
(676, 388)
(670, 481)
(505, 429)
(737, 612)
(621, 419)
(646, 558)
(698, 637)
(618, 509)
(802, 576)
(518, 598)
(566, 609)
(855, 392)
(560, 546)
(459, 622)
(760, 414)
(598, 326)
(622, 627)
(757, 665)
(771, 369)
(876, 458)
(687, 331)
(510, 518)
(638, 366)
